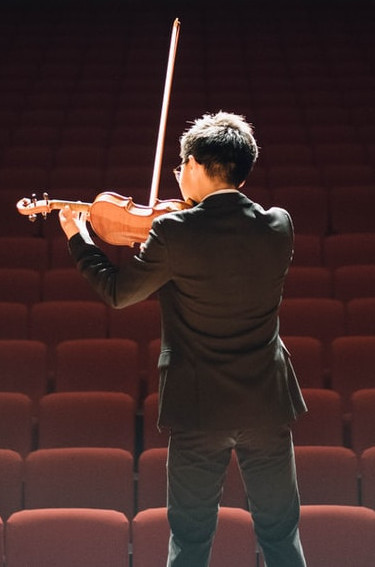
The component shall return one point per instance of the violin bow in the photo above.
(164, 113)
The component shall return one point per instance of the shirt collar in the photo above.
(219, 192)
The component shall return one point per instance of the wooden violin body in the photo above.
(114, 218)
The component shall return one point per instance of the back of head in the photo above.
(224, 144)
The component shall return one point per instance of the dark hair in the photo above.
(223, 143)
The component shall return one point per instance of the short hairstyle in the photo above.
(223, 143)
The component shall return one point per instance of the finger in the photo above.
(64, 213)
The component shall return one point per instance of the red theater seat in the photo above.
(293, 175)
(327, 475)
(338, 153)
(360, 314)
(322, 318)
(11, 482)
(367, 470)
(354, 282)
(67, 285)
(1, 537)
(307, 359)
(55, 321)
(87, 419)
(351, 175)
(352, 365)
(60, 258)
(308, 281)
(21, 179)
(21, 156)
(338, 535)
(317, 317)
(19, 284)
(13, 321)
(23, 252)
(80, 478)
(76, 177)
(152, 479)
(98, 365)
(140, 323)
(23, 366)
(307, 250)
(363, 419)
(234, 543)
(16, 422)
(348, 249)
(351, 208)
(78, 156)
(61, 537)
(322, 425)
(279, 154)
(297, 199)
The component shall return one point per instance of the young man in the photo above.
(226, 381)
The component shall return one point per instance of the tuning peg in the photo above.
(46, 198)
(32, 218)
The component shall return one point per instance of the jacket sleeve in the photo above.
(130, 283)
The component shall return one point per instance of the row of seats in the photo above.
(110, 111)
(109, 478)
(31, 286)
(321, 154)
(92, 132)
(55, 321)
(125, 365)
(41, 254)
(60, 344)
(127, 175)
(109, 419)
(77, 537)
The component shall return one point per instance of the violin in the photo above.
(116, 219)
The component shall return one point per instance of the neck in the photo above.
(217, 189)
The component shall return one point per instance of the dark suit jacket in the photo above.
(219, 268)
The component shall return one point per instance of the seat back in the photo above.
(234, 543)
(23, 366)
(363, 419)
(16, 422)
(352, 366)
(367, 471)
(80, 478)
(98, 364)
(338, 535)
(327, 475)
(87, 419)
(322, 424)
(61, 537)
(11, 485)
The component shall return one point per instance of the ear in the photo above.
(192, 161)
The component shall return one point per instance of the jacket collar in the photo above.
(220, 199)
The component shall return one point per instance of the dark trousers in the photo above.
(197, 463)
